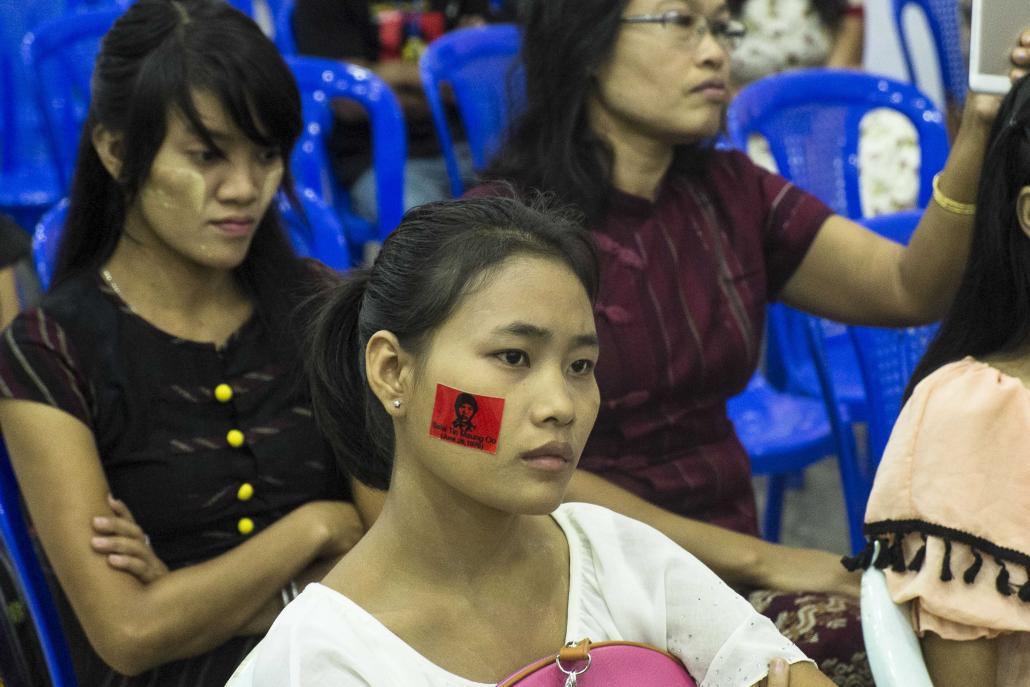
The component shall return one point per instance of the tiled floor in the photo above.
(813, 516)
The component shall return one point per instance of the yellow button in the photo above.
(245, 525)
(245, 491)
(235, 438)
(223, 393)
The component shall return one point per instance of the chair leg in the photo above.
(774, 507)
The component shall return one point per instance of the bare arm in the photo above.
(852, 275)
(848, 43)
(136, 626)
(739, 559)
(958, 664)
(9, 306)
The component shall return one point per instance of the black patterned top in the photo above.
(206, 445)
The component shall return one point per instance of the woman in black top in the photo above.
(158, 378)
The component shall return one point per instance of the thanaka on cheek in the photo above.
(175, 189)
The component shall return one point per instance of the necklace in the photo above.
(114, 287)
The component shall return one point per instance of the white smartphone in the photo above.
(995, 32)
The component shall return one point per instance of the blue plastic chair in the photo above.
(783, 434)
(284, 39)
(482, 68)
(321, 80)
(943, 19)
(853, 480)
(886, 359)
(28, 183)
(31, 579)
(60, 54)
(790, 365)
(315, 230)
(811, 119)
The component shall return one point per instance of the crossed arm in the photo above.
(133, 625)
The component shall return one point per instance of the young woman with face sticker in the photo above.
(949, 500)
(622, 101)
(474, 567)
(168, 457)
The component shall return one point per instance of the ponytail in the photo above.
(346, 412)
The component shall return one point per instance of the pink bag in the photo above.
(605, 664)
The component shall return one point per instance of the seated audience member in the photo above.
(949, 500)
(694, 243)
(389, 38)
(474, 568)
(167, 455)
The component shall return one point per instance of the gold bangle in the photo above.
(952, 206)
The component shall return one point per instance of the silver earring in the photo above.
(396, 403)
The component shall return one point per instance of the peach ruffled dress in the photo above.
(951, 502)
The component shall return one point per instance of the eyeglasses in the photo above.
(691, 29)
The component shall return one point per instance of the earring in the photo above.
(396, 403)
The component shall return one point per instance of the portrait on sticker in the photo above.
(466, 419)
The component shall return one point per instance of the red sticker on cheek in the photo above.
(466, 419)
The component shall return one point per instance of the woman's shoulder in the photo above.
(601, 534)
(971, 388)
(74, 306)
(322, 638)
(958, 450)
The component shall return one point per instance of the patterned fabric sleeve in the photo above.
(792, 219)
(38, 363)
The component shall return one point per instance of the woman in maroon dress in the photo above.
(622, 101)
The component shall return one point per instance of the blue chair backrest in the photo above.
(315, 230)
(284, 39)
(321, 80)
(481, 66)
(887, 357)
(33, 583)
(20, 126)
(943, 19)
(811, 119)
(60, 54)
(46, 238)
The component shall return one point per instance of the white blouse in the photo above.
(626, 581)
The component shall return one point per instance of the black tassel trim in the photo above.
(917, 560)
(884, 559)
(946, 575)
(897, 554)
(973, 570)
(1002, 583)
(861, 560)
(891, 533)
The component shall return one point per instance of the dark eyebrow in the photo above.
(214, 134)
(531, 331)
